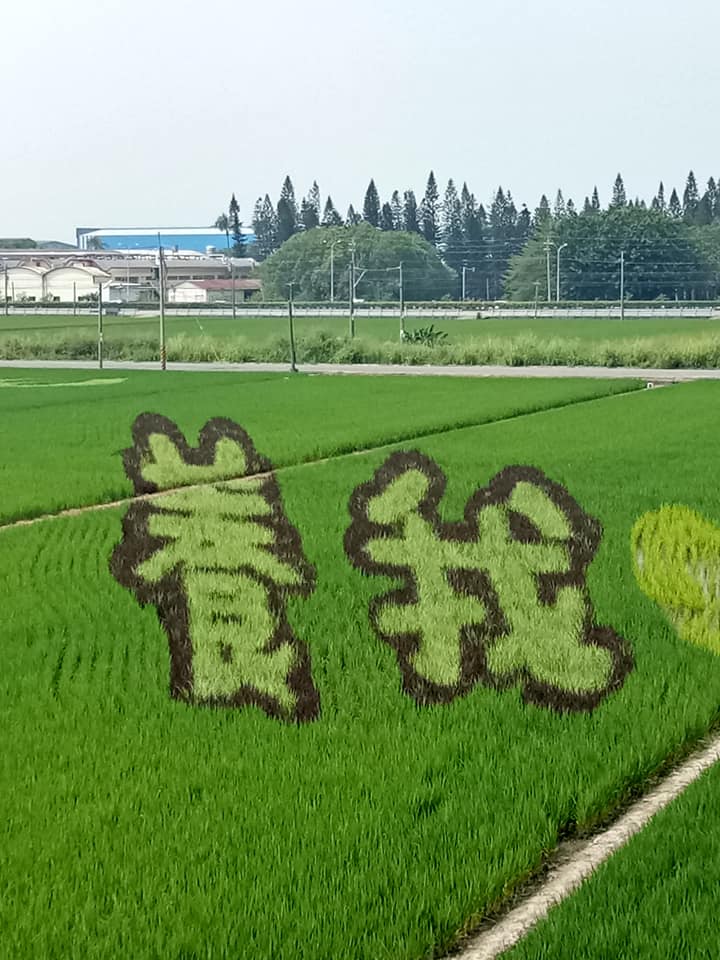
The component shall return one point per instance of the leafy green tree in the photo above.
(371, 205)
(305, 261)
(662, 258)
(429, 211)
(410, 213)
(619, 197)
(331, 218)
(287, 213)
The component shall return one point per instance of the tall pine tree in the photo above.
(691, 199)
(330, 217)
(238, 248)
(265, 227)
(371, 205)
(429, 219)
(674, 208)
(619, 197)
(410, 213)
(397, 210)
(287, 213)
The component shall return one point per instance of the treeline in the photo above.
(483, 245)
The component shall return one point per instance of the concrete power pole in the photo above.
(548, 244)
(622, 284)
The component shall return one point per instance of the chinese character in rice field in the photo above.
(219, 560)
(676, 557)
(499, 597)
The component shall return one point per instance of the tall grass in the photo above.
(668, 352)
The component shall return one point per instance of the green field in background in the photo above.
(264, 329)
(61, 444)
(380, 830)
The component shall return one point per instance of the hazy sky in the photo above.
(151, 113)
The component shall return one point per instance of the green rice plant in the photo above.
(676, 555)
(300, 419)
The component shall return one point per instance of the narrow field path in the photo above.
(378, 369)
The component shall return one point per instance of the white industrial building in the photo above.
(37, 276)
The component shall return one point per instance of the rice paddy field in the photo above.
(343, 686)
(263, 330)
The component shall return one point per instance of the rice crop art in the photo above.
(498, 597)
(219, 562)
(676, 557)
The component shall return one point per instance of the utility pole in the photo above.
(537, 294)
(161, 280)
(464, 282)
(332, 268)
(622, 284)
(232, 285)
(548, 244)
(74, 298)
(559, 251)
(100, 327)
(5, 274)
(352, 290)
(402, 303)
(293, 366)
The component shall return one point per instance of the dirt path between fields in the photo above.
(650, 375)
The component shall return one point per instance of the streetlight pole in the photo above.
(161, 281)
(293, 366)
(559, 251)
(352, 291)
(548, 244)
(537, 294)
(332, 268)
(100, 327)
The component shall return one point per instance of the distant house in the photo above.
(212, 291)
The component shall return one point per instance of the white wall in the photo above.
(187, 293)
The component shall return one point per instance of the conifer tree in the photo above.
(287, 214)
(542, 212)
(595, 202)
(691, 199)
(386, 217)
(570, 208)
(619, 197)
(236, 233)
(429, 220)
(330, 217)
(674, 208)
(371, 205)
(452, 227)
(410, 213)
(559, 208)
(265, 227)
(353, 218)
(309, 214)
(397, 210)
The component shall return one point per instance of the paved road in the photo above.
(376, 369)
